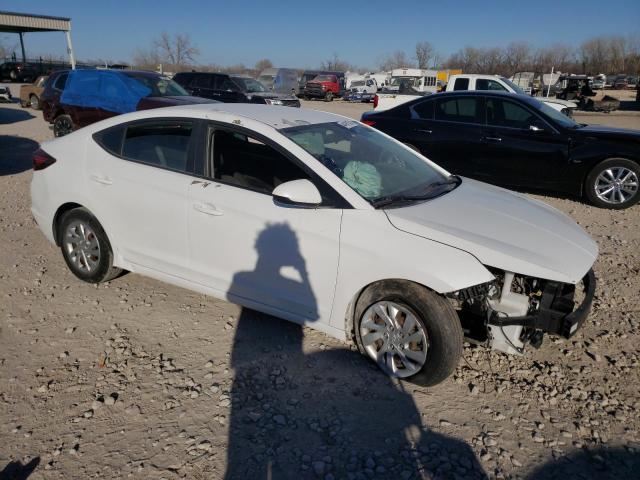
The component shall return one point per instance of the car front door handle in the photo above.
(207, 208)
(102, 180)
(492, 139)
(422, 130)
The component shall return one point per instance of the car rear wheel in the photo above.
(408, 331)
(62, 125)
(328, 97)
(85, 247)
(34, 101)
(614, 184)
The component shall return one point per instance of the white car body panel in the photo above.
(155, 229)
(504, 230)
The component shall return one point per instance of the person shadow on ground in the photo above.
(17, 471)
(326, 413)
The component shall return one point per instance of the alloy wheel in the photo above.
(82, 246)
(393, 336)
(616, 185)
(62, 126)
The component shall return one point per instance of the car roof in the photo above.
(277, 117)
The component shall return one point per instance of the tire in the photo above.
(34, 102)
(622, 175)
(23, 104)
(328, 97)
(85, 247)
(62, 125)
(442, 337)
(13, 75)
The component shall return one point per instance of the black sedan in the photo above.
(517, 141)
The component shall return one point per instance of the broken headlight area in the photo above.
(514, 309)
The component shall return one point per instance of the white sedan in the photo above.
(317, 219)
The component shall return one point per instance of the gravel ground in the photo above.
(136, 378)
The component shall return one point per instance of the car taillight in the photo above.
(42, 160)
(375, 101)
(371, 123)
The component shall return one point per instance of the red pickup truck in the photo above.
(324, 86)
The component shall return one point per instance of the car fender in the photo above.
(372, 250)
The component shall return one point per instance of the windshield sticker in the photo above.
(237, 122)
(293, 123)
(348, 124)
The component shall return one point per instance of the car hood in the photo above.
(566, 103)
(601, 131)
(502, 229)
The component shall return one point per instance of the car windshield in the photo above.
(267, 80)
(396, 81)
(379, 169)
(249, 85)
(555, 115)
(160, 86)
(515, 87)
(357, 83)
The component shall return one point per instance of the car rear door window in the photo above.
(247, 162)
(504, 113)
(464, 110)
(461, 84)
(164, 144)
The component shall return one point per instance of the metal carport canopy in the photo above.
(20, 23)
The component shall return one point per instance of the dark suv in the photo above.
(17, 72)
(232, 89)
(75, 98)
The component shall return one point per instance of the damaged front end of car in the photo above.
(515, 310)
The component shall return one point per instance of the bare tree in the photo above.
(178, 51)
(517, 57)
(262, 65)
(424, 53)
(335, 64)
(397, 59)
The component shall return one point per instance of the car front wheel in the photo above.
(85, 247)
(328, 97)
(614, 184)
(35, 102)
(409, 331)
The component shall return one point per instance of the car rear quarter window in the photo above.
(110, 140)
(464, 110)
(163, 144)
(424, 110)
(61, 81)
(461, 84)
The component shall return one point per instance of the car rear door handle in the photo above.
(422, 130)
(207, 208)
(492, 139)
(102, 180)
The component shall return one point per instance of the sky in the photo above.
(303, 34)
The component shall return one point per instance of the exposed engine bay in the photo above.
(515, 310)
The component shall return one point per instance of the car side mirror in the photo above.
(297, 193)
